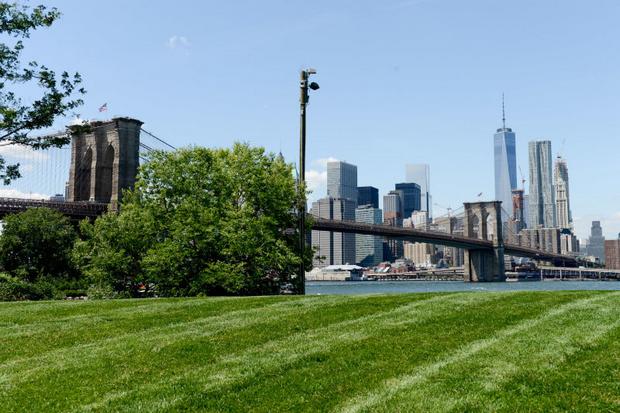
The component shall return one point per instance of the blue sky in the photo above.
(401, 82)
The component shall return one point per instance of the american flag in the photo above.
(103, 107)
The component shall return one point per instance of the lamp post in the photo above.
(303, 103)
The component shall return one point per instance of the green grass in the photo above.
(513, 352)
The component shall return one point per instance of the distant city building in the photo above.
(368, 195)
(612, 253)
(57, 198)
(562, 201)
(596, 242)
(342, 180)
(410, 196)
(541, 196)
(526, 210)
(368, 248)
(420, 220)
(517, 221)
(569, 243)
(421, 175)
(422, 254)
(393, 209)
(544, 239)
(393, 215)
(333, 248)
(505, 166)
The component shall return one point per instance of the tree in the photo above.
(37, 244)
(57, 98)
(208, 222)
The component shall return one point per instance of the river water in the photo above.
(391, 287)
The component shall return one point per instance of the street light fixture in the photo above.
(303, 101)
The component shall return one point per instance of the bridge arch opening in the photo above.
(105, 175)
(83, 176)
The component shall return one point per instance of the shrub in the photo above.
(14, 289)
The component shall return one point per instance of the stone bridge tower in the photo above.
(483, 220)
(104, 161)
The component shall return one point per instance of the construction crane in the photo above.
(447, 208)
(522, 179)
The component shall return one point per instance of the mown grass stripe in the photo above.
(76, 321)
(155, 338)
(394, 386)
(274, 355)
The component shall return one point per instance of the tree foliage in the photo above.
(201, 221)
(37, 244)
(57, 92)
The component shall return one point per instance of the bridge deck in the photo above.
(432, 237)
(74, 210)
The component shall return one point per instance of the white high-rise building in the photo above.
(368, 248)
(342, 180)
(333, 248)
(562, 201)
(541, 196)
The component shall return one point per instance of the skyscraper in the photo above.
(368, 248)
(333, 248)
(368, 195)
(541, 196)
(596, 242)
(505, 166)
(392, 215)
(342, 180)
(421, 175)
(562, 201)
(612, 253)
(410, 196)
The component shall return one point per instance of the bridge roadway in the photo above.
(73, 210)
(439, 238)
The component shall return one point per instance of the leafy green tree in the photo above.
(37, 244)
(57, 92)
(202, 221)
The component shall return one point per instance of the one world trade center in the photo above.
(505, 166)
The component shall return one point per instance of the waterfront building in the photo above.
(333, 248)
(410, 196)
(368, 248)
(368, 195)
(541, 196)
(504, 144)
(421, 175)
(596, 242)
(342, 180)
(422, 255)
(612, 253)
(562, 201)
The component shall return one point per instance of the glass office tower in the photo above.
(505, 168)
(421, 175)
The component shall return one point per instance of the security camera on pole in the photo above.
(303, 100)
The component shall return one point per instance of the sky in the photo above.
(403, 81)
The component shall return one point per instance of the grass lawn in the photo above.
(513, 351)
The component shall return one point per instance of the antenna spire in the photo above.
(503, 113)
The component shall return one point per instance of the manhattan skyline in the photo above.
(401, 82)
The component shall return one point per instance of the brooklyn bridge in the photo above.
(104, 161)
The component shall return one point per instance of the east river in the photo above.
(382, 287)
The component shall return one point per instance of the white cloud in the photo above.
(177, 42)
(316, 180)
(22, 152)
(14, 193)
